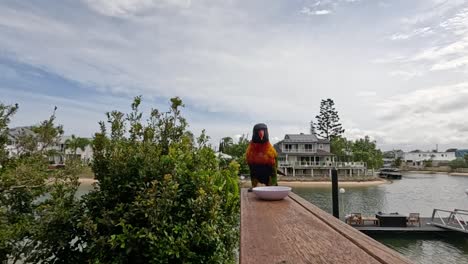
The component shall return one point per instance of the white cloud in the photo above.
(325, 7)
(451, 64)
(419, 32)
(426, 116)
(123, 8)
(433, 10)
(322, 12)
(406, 75)
(310, 12)
(445, 50)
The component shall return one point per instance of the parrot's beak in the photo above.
(261, 134)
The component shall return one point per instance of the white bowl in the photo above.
(272, 193)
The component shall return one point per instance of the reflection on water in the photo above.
(429, 248)
(419, 193)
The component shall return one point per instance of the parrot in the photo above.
(262, 159)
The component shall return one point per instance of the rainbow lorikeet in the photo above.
(262, 158)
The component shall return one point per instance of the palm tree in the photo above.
(225, 143)
(75, 143)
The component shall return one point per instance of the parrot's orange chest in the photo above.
(261, 153)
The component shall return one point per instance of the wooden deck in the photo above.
(295, 231)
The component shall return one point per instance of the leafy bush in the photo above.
(458, 163)
(161, 197)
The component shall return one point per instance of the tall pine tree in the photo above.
(328, 122)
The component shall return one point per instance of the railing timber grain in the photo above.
(295, 231)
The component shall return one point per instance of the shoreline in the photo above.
(245, 183)
(87, 180)
(426, 172)
(328, 183)
(376, 182)
(437, 172)
(458, 174)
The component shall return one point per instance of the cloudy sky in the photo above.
(397, 70)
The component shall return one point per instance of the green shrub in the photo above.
(161, 197)
(458, 163)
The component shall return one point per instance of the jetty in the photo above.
(390, 173)
(426, 227)
(454, 222)
(294, 230)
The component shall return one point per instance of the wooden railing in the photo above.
(322, 164)
(295, 231)
(299, 150)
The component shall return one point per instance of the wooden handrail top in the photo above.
(295, 231)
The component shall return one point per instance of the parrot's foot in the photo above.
(250, 190)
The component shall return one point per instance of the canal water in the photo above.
(415, 193)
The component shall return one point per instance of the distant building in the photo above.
(306, 155)
(13, 134)
(86, 154)
(388, 162)
(389, 157)
(224, 156)
(63, 152)
(418, 159)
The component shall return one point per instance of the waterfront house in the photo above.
(306, 155)
(85, 155)
(418, 159)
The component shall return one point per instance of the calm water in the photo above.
(418, 193)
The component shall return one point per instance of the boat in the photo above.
(390, 173)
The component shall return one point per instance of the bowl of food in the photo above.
(272, 193)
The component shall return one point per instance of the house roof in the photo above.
(300, 138)
(14, 133)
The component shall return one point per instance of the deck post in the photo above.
(336, 212)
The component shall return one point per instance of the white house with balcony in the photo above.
(307, 155)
